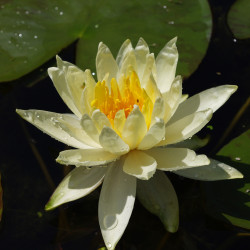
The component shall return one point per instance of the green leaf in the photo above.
(229, 200)
(31, 32)
(157, 22)
(239, 19)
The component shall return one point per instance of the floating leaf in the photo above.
(239, 19)
(31, 32)
(157, 22)
(229, 200)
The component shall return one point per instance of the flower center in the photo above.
(122, 97)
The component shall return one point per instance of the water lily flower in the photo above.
(126, 129)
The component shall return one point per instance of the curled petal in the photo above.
(77, 184)
(116, 204)
(86, 157)
(169, 159)
(140, 165)
(213, 172)
(158, 196)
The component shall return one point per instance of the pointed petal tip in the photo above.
(172, 228)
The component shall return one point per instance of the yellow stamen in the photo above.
(122, 97)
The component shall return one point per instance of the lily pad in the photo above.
(157, 22)
(229, 200)
(239, 19)
(31, 32)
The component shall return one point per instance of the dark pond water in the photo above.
(30, 173)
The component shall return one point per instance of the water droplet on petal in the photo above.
(110, 221)
(109, 245)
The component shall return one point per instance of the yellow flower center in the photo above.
(122, 97)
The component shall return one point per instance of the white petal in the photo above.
(100, 120)
(166, 63)
(134, 128)
(212, 98)
(53, 124)
(169, 159)
(149, 69)
(213, 172)
(88, 93)
(105, 63)
(77, 184)
(158, 110)
(193, 143)
(75, 79)
(115, 204)
(158, 196)
(86, 157)
(152, 89)
(119, 121)
(141, 52)
(154, 135)
(128, 64)
(125, 48)
(172, 98)
(140, 165)
(89, 127)
(186, 127)
(58, 76)
(112, 142)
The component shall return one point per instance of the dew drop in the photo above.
(60, 13)
(93, 73)
(27, 12)
(247, 191)
(97, 26)
(20, 35)
(18, 12)
(110, 221)
(171, 22)
(35, 36)
(164, 6)
(235, 40)
(9, 42)
(237, 158)
(56, 8)
(109, 245)
(61, 193)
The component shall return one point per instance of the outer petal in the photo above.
(141, 52)
(77, 184)
(58, 76)
(140, 165)
(89, 127)
(53, 125)
(158, 196)
(134, 128)
(116, 204)
(86, 157)
(212, 98)
(186, 127)
(166, 63)
(169, 159)
(112, 142)
(105, 63)
(149, 69)
(154, 135)
(213, 172)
